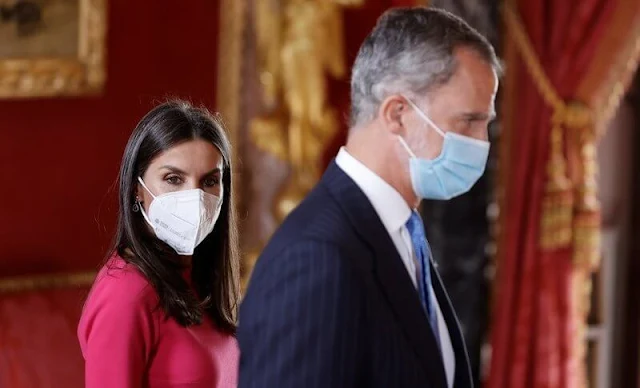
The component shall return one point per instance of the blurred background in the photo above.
(541, 258)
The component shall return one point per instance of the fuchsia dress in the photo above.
(127, 342)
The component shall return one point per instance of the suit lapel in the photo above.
(390, 272)
(462, 377)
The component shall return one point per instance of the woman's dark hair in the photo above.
(215, 263)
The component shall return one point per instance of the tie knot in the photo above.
(414, 225)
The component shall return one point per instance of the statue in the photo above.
(300, 43)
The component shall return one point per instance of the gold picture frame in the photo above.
(67, 75)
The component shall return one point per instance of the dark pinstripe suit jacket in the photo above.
(330, 304)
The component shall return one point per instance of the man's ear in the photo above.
(391, 113)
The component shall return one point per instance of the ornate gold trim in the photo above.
(45, 77)
(229, 79)
(17, 284)
(509, 91)
(231, 45)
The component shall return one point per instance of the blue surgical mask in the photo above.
(458, 167)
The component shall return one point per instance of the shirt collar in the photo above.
(387, 202)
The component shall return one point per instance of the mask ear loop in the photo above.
(145, 187)
(425, 117)
(144, 214)
(406, 147)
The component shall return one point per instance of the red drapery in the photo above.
(543, 260)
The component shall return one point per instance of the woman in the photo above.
(162, 310)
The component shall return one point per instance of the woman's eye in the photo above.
(210, 182)
(173, 179)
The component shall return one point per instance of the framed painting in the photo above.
(52, 47)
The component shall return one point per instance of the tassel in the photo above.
(586, 240)
(568, 216)
(556, 221)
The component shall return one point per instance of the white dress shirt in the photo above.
(394, 214)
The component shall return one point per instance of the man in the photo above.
(345, 294)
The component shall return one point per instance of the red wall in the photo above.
(59, 157)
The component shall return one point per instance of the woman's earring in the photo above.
(136, 206)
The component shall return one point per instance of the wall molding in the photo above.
(30, 283)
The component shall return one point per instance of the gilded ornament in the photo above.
(44, 77)
(300, 44)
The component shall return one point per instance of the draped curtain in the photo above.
(568, 63)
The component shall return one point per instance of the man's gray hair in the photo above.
(410, 51)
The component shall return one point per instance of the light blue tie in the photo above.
(423, 254)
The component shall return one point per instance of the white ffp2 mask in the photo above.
(182, 219)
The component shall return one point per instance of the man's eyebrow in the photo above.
(478, 116)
